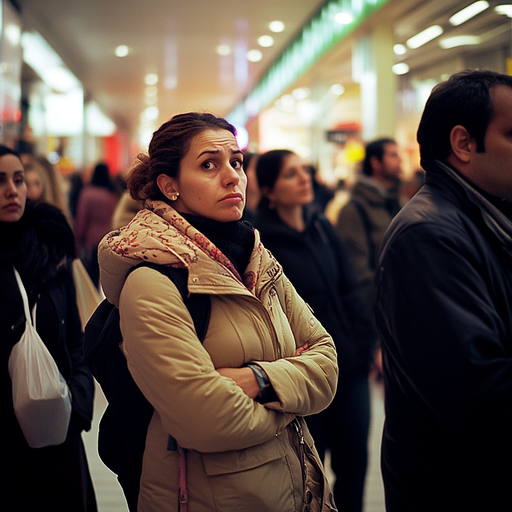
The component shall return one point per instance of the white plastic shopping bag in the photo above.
(40, 394)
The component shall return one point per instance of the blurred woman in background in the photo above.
(36, 239)
(315, 260)
(95, 210)
(235, 402)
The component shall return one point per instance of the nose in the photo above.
(231, 176)
(10, 189)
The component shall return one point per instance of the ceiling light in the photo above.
(424, 36)
(344, 18)
(151, 79)
(276, 26)
(455, 41)
(337, 89)
(41, 57)
(468, 12)
(121, 51)
(505, 9)
(400, 69)
(151, 113)
(266, 41)
(300, 93)
(254, 56)
(399, 49)
(13, 33)
(223, 49)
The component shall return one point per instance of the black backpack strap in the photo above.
(199, 305)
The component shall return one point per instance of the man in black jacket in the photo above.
(444, 309)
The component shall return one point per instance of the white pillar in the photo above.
(372, 61)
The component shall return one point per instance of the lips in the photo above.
(12, 207)
(233, 197)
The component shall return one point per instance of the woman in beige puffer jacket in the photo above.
(247, 448)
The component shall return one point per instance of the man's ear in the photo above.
(166, 185)
(463, 145)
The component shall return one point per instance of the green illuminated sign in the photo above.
(317, 37)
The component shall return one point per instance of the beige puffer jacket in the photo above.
(241, 455)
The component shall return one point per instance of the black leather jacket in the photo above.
(444, 315)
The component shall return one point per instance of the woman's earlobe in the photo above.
(166, 186)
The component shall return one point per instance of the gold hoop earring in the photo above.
(174, 196)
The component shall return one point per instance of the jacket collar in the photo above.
(498, 223)
(160, 234)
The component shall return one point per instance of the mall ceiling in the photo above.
(178, 40)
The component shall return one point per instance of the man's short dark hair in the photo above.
(464, 99)
(376, 149)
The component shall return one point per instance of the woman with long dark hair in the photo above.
(37, 241)
(317, 264)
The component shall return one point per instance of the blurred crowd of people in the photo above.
(305, 225)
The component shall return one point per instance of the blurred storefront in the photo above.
(358, 69)
(367, 75)
(44, 108)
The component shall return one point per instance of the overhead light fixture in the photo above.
(301, 93)
(223, 49)
(121, 51)
(254, 56)
(424, 36)
(13, 34)
(266, 41)
(344, 18)
(468, 12)
(456, 41)
(151, 113)
(151, 79)
(505, 9)
(276, 26)
(41, 57)
(337, 89)
(400, 69)
(399, 49)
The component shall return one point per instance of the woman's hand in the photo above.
(245, 378)
(302, 349)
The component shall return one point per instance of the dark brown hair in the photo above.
(170, 143)
(464, 99)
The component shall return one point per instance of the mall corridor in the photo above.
(110, 497)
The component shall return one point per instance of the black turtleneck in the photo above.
(235, 239)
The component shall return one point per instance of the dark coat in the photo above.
(444, 315)
(41, 247)
(317, 264)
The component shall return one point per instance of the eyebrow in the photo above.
(20, 171)
(217, 151)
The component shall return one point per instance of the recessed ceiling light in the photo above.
(400, 69)
(276, 26)
(301, 93)
(344, 18)
(455, 41)
(223, 49)
(468, 12)
(424, 36)
(121, 51)
(505, 9)
(254, 56)
(337, 89)
(266, 41)
(399, 49)
(151, 113)
(151, 79)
